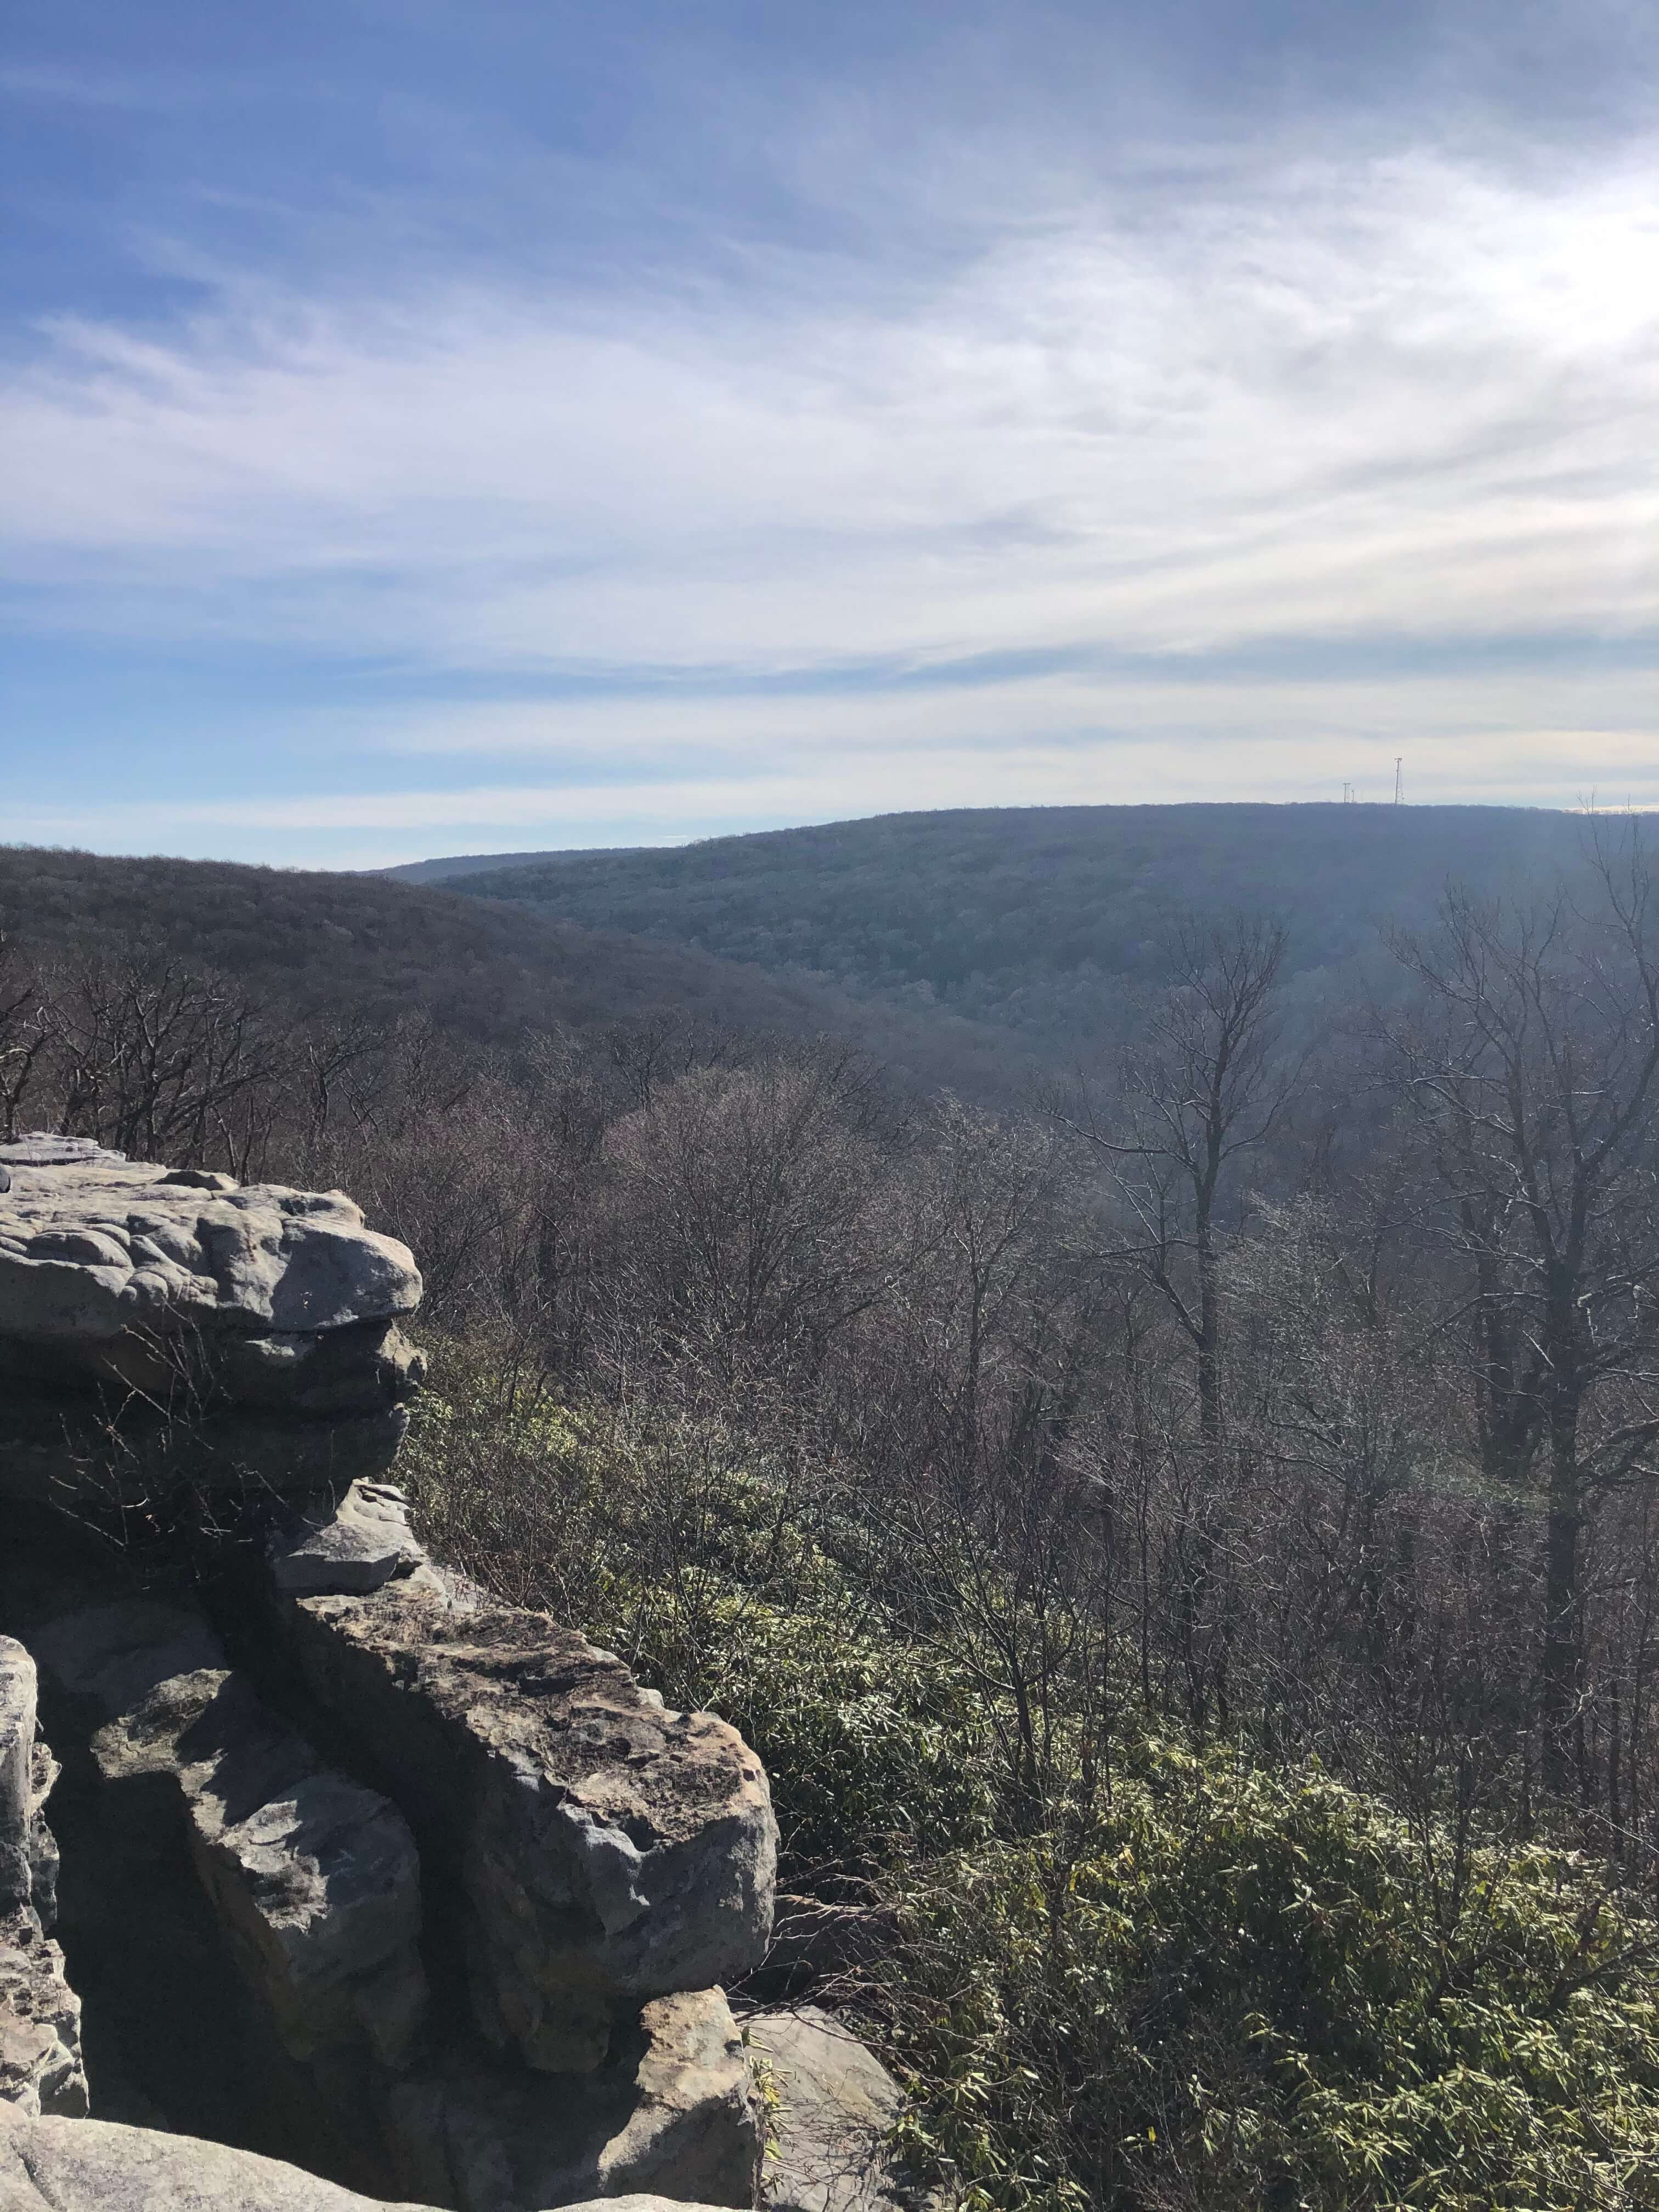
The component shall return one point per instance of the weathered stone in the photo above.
(40, 2067)
(315, 1878)
(169, 1330)
(355, 1546)
(320, 1892)
(49, 2165)
(97, 2165)
(676, 2112)
(98, 1247)
(28, 1852)
(836, 2104)
(65, 1454)
(608, 1850)
(320, 1377)
(117, 1653)
(16, 1772)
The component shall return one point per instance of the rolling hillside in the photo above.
(1035, 917)
(326, 943)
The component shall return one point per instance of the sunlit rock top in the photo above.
(93, 1244)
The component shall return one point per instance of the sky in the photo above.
(432, 428)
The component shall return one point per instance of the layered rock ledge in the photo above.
(165, 1326)
(608, 1851)
(423, 1890)
(98, 2166)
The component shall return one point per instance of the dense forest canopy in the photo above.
(1029, 915)
(1184, 1541)
(329, 943)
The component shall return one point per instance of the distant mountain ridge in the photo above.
(471, 863)
(1033, 917)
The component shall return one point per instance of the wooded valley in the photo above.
(1179, 1521)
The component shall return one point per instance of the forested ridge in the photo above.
(1186, 1546)
(1034, 917)
(334, 945)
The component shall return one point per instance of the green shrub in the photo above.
(1235, 1990)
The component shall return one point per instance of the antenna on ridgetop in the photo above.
(1399, 779)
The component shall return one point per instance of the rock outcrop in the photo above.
(440, 1902)
(40, 2065)
(836, 2104)
(675, 2112)
(95, 2166)
(314, 1877)
(163, 1327)
(608, 1851)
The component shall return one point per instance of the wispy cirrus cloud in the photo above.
(1262, 458)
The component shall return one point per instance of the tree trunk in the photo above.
(1562, 1658)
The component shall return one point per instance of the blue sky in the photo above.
(435, 427)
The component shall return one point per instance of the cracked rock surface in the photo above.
(608, 1851)
(169, 1327)
(315, 1878)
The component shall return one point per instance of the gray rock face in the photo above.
(28, 1852)
(49, 2165)
(836, 2102)
(40, 2068)
(315, 1878)
(93, 2165)
(17, 1807)
(608, 1851)
(356, 1547)
(40, 2065)
(167, 1327)
(93, 1247)
(680, 2116)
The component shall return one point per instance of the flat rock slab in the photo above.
(836, 2103)
(608, 1850)
(348, 1548)
(680, 2115)
(97, 2165)
(93, 1247)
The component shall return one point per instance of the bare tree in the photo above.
(25, 1033)
(157, 1058)
(1533, 1068)
(1206, 1083)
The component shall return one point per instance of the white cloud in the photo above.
(1402, 398)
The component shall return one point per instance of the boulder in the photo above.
(606, 1851)
(675, 2110)
(95, 1247)
(18, 1775)
(836, 2104)
(315, 1878)
(165, 1327)
(50, 2165)
(95, 2166)
(353, 1547)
